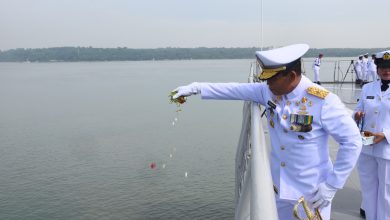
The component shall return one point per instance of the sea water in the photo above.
(77, 140)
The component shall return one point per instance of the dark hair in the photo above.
(296, 66)
(380, 63)
(293, 66)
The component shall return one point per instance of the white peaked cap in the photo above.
(381, 54)
(382, 59)
(276, 60)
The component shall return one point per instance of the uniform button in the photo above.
(376, 112)
(285, 130)
(301, 137)
(373, 126)
(282, 147)
(282, 164)
(284, 117)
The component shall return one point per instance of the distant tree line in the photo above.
(75, 54)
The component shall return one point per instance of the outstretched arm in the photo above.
(225, 91)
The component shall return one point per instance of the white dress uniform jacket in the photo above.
(376, 105)
(374, 161)
(300, 160)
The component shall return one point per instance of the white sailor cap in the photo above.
(382, 59)
(274, 61)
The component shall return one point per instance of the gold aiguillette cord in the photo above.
(310, 216)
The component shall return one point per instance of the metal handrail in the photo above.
(254, 192)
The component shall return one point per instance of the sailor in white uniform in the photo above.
(358, 65)
(316, 68)
(365, 75)
(373, 112)
(301, 115)
(372, 75)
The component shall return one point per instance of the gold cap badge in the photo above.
(386, 56)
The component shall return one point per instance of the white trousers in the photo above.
(374, 174)
(365, 75)
(359, 74)
(316, 74)
(286, 210)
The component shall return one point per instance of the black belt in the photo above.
(316, 64)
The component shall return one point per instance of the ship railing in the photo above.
(254, 191)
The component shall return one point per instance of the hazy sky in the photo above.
(193, 23)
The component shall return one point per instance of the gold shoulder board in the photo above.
(322, 93)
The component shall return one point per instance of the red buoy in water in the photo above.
(152, 165)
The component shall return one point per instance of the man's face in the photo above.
(279, 84)
(384, 73)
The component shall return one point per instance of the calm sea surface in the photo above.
(77, 140)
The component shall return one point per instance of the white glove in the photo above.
(191, 89)
(323, 196)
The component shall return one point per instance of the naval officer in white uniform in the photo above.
(358, 66)
(373, 111)
(372, 74)
(316, 68)
(365, 76)
(301, 115)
